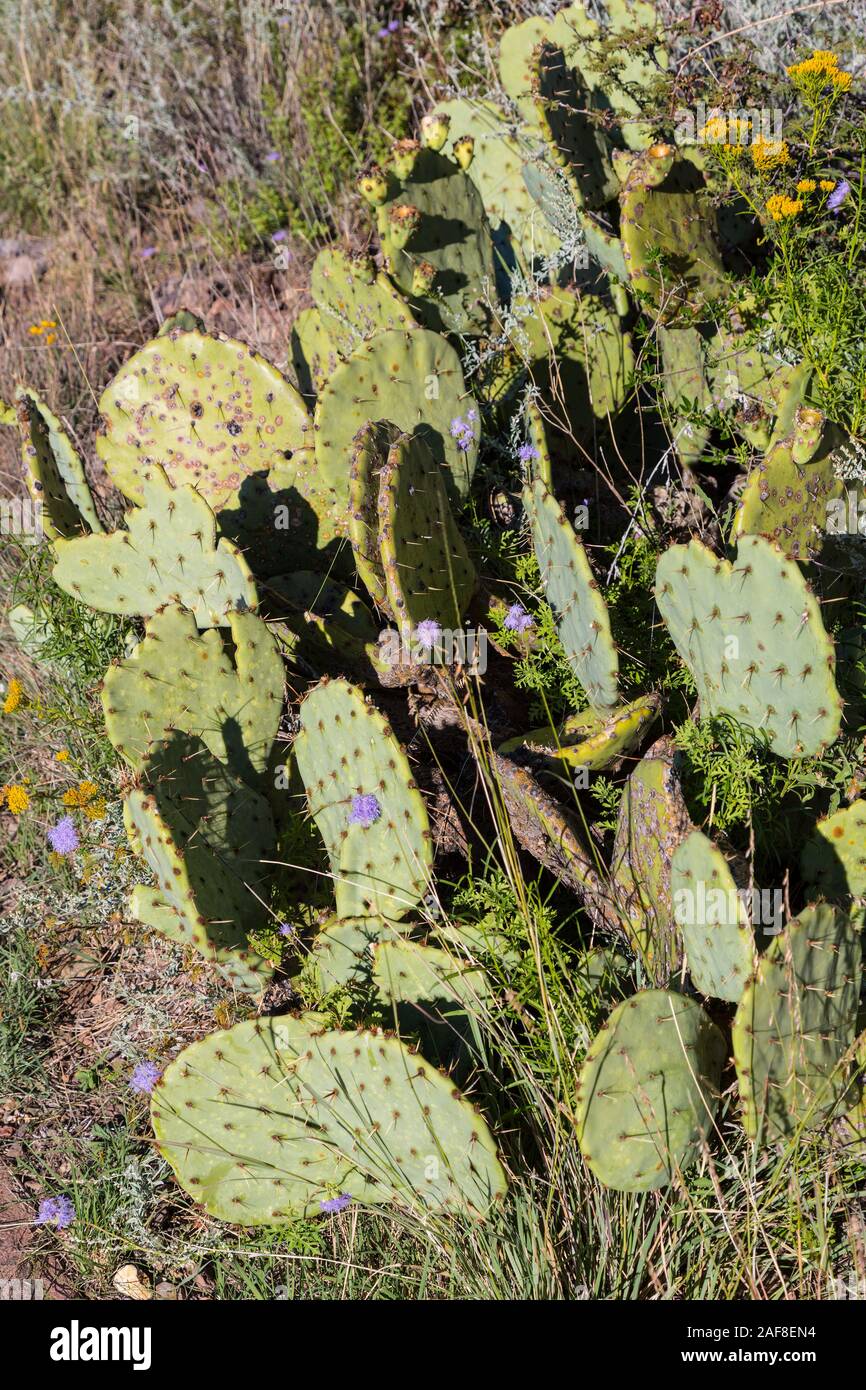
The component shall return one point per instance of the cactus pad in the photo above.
(571, 590)
(364, 800)
(752, 636)
(788, 494)
(167, 555)
(342, 951)
(796, 1020)
(369, 455)
(315, 353)
(355, 299)
(53, 471)
(208, 410)
(589, 740)
(834, 857)
(648, 1090)
(712, 918)
(427, 569)
(413, 379)
(264, 1122)
(178, 678)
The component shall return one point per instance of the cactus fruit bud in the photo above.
(404, 220)
(423, 275)
(404, 153)
(434, 129)
(373, 186)
(464, 149)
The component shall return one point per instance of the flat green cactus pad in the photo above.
(576, 350)
(342, 950)
(360, 300)
(590, 740)
(53, 472)
(834, 857)
(788, 494)
(712, 918)
(516, 69)
(427, 569)
(315, 351)
(796, 1020)
(268, 1120)
(364, 800)
(563, 103)
(497, 171)
(571, 590)
(207, 838)
(168, 554)
(413, 379)
(648, 1091)
(751, 634)
(179, 678)
(686, 387)
(370, 449)
(183, 321)
(407, 972)
(653, 821)
(208, 410)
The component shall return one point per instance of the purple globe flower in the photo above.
(56, 1211)
(365, 811)
(336, 1203)
(286, 929)
(463, 430)
(63, 837)
(280, 235)
(517, 619)
(839, 194)
(428, 632)
(146, 252)
(527, 452)
(144, 1078)
(272, 156)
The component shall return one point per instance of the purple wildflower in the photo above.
(280, 235)
(56, 1211)
(286, 929)
(144, 1078)
(272, 156)
(336, 1203)
(146, 252)
(63, 837)
(839, 194)
(428, 632)
(517, 619)
(527, 453)
(390, 28)
(463, 431)
(365, 811)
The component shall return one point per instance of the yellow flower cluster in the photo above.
(16, 798)
(826, 185)
(781, 207)
(819, 70)
(86, 797)
(43, 326)
(806, 186)
(62, 755)
(14, 696)
(769, 154)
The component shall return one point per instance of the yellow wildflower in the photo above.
(14, 696)
(51, 338)
(769, 154)
(17, 799)
(781, 207)
(35, 329)
(95, 810)
(826, 185)
(62, 755)
(821, 64)
(841, 81)
(715, 130)
(806, 186)
(80, 795)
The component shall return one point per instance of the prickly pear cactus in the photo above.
(179, 678)
(751, 634)
(576, 350)
(653, 821)
(571, 590)
(168, 554)
(795, 1022)
(388, 379)
(207, 838)
(268, 1120)
(712, 918)
(208, 410)
(365, 802)
(407, 972)
(573, 139)
(834, 856)
(664, 207)
(357, 300)
(648, 1091)
(315, 351)
(428, 573)
(341, 955)
(590, 740)
(53, 472)
(789, 494)
(370, 449)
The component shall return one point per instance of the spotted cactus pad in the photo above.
(209, 410)
(648, 1091)
(712, 918)
(266, 1121)
(53, 471)
(167, 555)
(789, 493)
(752, 636)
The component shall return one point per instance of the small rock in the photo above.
(132, 1283)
